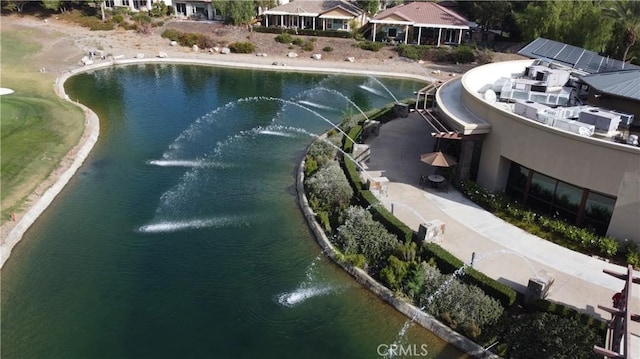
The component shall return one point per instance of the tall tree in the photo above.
(371, 7)
(627, 15)
(236, 12)
(487, 14)
(578, 23)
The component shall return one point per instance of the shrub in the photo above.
(608, 246)
(549, 336)
(284, 38)
(330, 188)
(323, 151)
(361, 234)
(141, 18)
(394, 273)
(370, 45)
(101, 26)
(327, 49)
(413, 52)
(308, 46)
(463, 55)
(325, 223)
(118, 19)
(242, 47)
(171, 34)
(460, 304)
(297, 41)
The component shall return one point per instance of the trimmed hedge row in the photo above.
(388, 220)
(543, 305)
(304, 32)
(448, 263)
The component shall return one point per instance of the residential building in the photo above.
(315, 15)
(421, 23)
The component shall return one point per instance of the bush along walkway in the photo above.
(555, 230)
(369, 242)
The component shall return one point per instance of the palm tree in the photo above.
(627, 14)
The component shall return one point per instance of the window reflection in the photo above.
(549, 196)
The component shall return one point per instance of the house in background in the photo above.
(133, 5)
(421, 23)
(315, 15)
(195, 9)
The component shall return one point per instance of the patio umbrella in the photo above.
(438, 159)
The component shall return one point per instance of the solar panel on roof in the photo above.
(550, 49)
(572, 56)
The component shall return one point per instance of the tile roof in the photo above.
(425, 13)
(313, 7)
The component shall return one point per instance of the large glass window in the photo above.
(597, 211)
(517, 182)
(566, 201)
(549, 196)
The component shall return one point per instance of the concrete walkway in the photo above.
(503, 252)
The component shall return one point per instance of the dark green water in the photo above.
(181, 237)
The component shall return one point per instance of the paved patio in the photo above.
(502, 251)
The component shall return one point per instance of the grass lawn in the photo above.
(37, 128)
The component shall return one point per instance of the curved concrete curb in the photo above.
(412, 312)
(89, 139)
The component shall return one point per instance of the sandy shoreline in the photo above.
(44, 195)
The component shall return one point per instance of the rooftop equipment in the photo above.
(604, 121)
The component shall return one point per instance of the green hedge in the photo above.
(304, 32)
(543, 305)
(448, 263)
(351, 170)
(388, 220)
(354, 133)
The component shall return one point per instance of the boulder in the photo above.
(261, 54)
(292, 54)
(140, 56)
(162, 54)
(216, 49)
(317, 56)
(195, 48)
(351, 59)
(173, 43)
(225, 50)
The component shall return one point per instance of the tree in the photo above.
(371, 7)
(59, 5)
(627, 15)
(236, 12)
(158, 9)
(577, 23)
(487, 14)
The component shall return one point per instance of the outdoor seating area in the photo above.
(438, 160)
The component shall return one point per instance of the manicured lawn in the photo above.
(37, 128)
